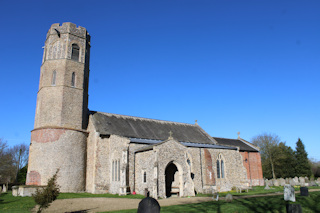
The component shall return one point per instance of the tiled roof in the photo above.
(136, 127)
(244, 146)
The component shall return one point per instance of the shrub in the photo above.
(43, 197)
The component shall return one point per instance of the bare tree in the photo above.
(6, 163)
(12, 160)
(267, 143)
(20, 154)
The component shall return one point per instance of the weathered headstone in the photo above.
(312, 179)
(287, 181)
(282, 182)
(304, 191)
(306, 180)
(270, 183)
(275, 182)
(149, 205)
(296, 180)
(292, 182)
(294, 208)
(302, 181)
(312, 183)
(4, 188)
(229, 198)
(289, 193)
(215, 196)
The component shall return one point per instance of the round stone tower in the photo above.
(58, 140)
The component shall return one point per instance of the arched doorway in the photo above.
(172, 180)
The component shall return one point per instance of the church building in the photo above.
(100, 152)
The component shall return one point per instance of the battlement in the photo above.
(68, 27)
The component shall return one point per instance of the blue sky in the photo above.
(248, 66)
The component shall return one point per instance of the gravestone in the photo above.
(306, 179)
(302, 181)
(304, 191)
(282, 182)
(312, 183)
(4, 188)
(149, 205)
(270, 183)
(287, 181)
(289, 193)
(275, 182)
(292, 182)
(229, 198)
(296, 180)
(215, 196)
(294, 208)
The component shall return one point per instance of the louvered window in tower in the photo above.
(75, 52)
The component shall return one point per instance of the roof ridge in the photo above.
(142, 118)
(228, 138)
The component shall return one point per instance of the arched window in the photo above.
(75, 52)
(73, 80)
(220, 167)
(53, 80)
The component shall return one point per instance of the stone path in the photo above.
(112, 204)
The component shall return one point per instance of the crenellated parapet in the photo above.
(67, 27)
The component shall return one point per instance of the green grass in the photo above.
(257, 190)
(258, 204)
(9, 203)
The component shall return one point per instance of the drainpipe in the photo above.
(249, 168)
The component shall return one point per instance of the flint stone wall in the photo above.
(67, 154)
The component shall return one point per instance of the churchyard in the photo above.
(252, 201)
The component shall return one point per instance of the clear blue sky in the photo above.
(248, 66)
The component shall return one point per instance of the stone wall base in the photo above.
(24, 191)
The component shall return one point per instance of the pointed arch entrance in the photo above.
(173, 174)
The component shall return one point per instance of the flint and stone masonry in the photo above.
(101, 152)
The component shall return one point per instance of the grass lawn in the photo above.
(8, 203)
(259, 204)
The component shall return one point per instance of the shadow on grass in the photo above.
(312, 202)
(6, 202)
(267, 204)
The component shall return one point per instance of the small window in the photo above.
(218, 169)
(73, 80)
(53, 81)
(75, 52)
(145, 177)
